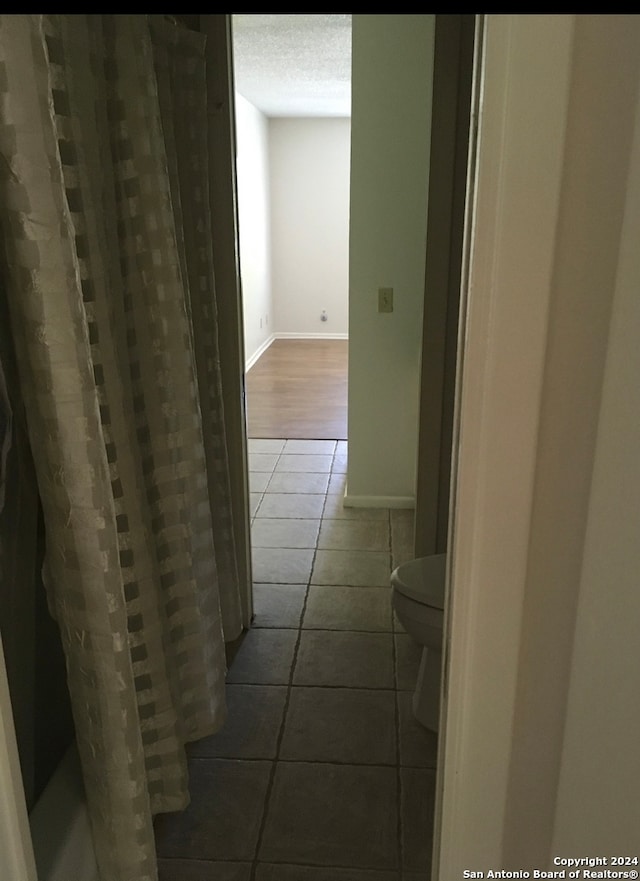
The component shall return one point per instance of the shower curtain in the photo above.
(104, 218)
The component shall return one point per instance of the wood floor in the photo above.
(297, 389)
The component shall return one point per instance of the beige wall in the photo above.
(309, 180)
(391, 94)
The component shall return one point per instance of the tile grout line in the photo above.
(273, 470)
(263, 821)
(397, 722)
(263, 492)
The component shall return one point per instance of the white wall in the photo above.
(538, 752)
(252, 132)
(309, 174)
(392, 75)
(597, 807)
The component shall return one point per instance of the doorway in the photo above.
(293, 165)
(459, 168)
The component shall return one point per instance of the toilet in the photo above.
(418, 601)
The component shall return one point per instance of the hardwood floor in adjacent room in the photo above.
(298, 389)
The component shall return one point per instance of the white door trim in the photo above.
(522, 120)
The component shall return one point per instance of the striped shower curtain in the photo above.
(109, 281)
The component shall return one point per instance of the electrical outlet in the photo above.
(385, 299)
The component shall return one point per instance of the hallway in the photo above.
(321, 772)
(298, 389)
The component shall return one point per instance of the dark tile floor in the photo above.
(321, 773)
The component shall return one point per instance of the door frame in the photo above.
(225, 232)
(503, 341)
(453, 77)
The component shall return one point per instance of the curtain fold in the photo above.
(104, 214)
(181, 78)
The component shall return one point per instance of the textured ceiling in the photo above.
(294, 65)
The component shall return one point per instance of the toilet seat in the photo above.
(422, 580)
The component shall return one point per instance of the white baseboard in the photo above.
(353, 501)
(290, 336)
(263, 348)
(311, 336)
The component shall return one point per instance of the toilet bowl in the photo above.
(418, 601)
